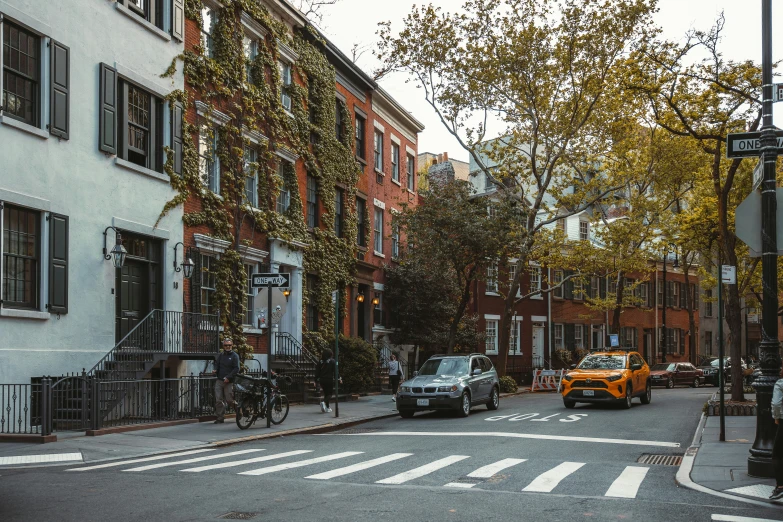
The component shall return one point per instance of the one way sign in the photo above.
(271, 280)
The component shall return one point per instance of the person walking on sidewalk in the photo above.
(325, 376)
(777, 449)
(395, 374)
(226, 368)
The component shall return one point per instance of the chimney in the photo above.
(445, 156)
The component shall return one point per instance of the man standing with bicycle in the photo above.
(226, 367)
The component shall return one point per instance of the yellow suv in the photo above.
(611, 376)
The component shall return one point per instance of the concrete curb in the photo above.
(683, 476)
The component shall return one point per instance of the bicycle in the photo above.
(251, 400)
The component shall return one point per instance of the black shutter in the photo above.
(60, 110)
(568, 292)
(695, 294)
(602, 287)
(177, 113)
(650, 293)
(109, 110)
(178, 19)
(195, 282)
(58, 264)
(669, 298)
(569, 336)
(682, 340)
(683, 296)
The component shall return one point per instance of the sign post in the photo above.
(728, 276)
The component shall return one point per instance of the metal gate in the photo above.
(70, 402)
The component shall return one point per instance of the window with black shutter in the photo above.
(570, 336)
(682, 340)
(149, 10)
(683, 296)
(178, 20)
(177, 114)
(58, 264)
(195, 281)
(21, 251)
(21, 68)
(59, 112)
(107, 135)
(568, 292)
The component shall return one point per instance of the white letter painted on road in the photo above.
(499, 417)
(574, 417)
(544, 419)
(524, 416)
(514, 417)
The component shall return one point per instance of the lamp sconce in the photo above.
(118, 253)
(360, 298)
(286, 293)
(376, 300)
(187, 263)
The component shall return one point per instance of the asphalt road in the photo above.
(530, 460)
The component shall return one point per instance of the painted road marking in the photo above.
(421, 471)
(464, 485)
(513, 417)
(301, 463)
(339, 472)
(189, 461)
(247, 461)
(732, 518)
(547, 481)
(757, 490)
(508, 435)
(40, 459)
(486, 472)
(145, 459)
(627, 484)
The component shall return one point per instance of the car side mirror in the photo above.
(477, 371)
(573, 367)
(635, 367)
(415, 374)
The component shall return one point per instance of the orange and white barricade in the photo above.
(546, 380)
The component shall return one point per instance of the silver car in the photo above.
(450, 382)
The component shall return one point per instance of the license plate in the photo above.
(422, 402)
(588, 393)
(656, 376)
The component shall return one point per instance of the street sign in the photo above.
(747, 220)
(758, 175)
(728, 275)
(777, 92)
(614, 340)
(271, 280)
(748, 144)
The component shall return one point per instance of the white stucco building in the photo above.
(83, 131)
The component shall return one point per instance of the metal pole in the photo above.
(663, 315)
(336, 354)
(760, 460)
(721, 355)
(269, 353)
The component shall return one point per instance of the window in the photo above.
(595, 289)
(378, 151)
(561, 225)
(512, 273)
(557, 282)
(411, 173)
(286, 80)
(578, 336)
(208, 305)
(708, 303)
(338, 212)
(578, 291)
(612, 286)
(644, 295)
(395, 241)
(21, 73)
(250, 294)
(378, 231)
(513, 341)
(21, 257)
(488, 185)
(312, 202)
(535, 279)
(558, 336)
(250, 47)
(674, 299)
(492, 277)
(628, 337)
(208, 161)
(359, 131)
(361, 216)
(584, 230)
(208, 19)
(338, 120)
(491, 337)
(378, 311)
(708, 343)
(284, 196)
(140, 122)
(149, 10)
(312, 304)
(251, 177)
(395, 161)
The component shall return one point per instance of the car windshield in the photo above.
(444, 367)
(716, 362)
(602, 362)
(663, 367)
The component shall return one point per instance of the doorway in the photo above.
(538, 345)
(137, 283)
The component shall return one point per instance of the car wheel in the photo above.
(406, 414)
(628, 396)
(568, 404)
(647, 397)
(464, 409)
(695, 383)
(670, 383)
(494, 399)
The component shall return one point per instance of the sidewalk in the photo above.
(76, 447)
(722, 467)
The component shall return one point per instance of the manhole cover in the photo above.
(238, 515)
(356, 431)
(660, 460)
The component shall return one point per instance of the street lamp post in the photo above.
(760, 460)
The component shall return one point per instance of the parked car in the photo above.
(612, 376)
(712, 370)
(672, 374)
(450, 382)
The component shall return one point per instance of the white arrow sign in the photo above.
(273, 280)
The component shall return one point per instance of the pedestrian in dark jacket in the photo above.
(327, 368)
(226, 368)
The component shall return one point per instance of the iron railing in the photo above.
(288, 349)
(384, 352)
(20, 409)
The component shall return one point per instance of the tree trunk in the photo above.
(463, 305)
(689, 305)
(618, 309)
(505, 320)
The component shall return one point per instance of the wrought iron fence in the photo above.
(384, 352)
(20, 409)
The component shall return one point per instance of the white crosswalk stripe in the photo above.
(247, 461)
(421, 471)
(339, 472)
(145, 459)
(627, 484)
(301, 463)
(547, 481)
(190, 461)
(485, 472)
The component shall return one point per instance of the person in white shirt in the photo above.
(395, 373)
(777, 449)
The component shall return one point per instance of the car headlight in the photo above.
(405, 388)
(568, 378)
(447, 388)
(613, 378)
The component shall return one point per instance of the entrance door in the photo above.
(538, 345)
(132, 300)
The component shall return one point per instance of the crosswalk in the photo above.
(394, 469)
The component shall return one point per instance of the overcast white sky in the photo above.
(356, 21)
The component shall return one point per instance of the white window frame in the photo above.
(250, 294)
(535, 282)
(515, 337)
(209, 162)
(203, 287)
(675, 294)
(559, 333)
(579, 338)
(378, 231)
(491, 341)
(395, 162)
(205, 36)
(584, 230)
(492, 279)
(248, 152)
(283, 200)
(378, 151)
(411, 167)
(250, 50)
(395, 237)
(286, 70)
(557, 279)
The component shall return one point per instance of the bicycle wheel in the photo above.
(279, 409)
(246, 413)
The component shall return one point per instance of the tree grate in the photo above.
(238, 515)
(660, 460)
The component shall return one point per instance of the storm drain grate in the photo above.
(660, 460)
(358, 431)
(238, 515)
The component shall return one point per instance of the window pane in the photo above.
(20, 257)
(312, 202)
(359, 130)
(378, 231)
(411, 173)
(20, 73)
